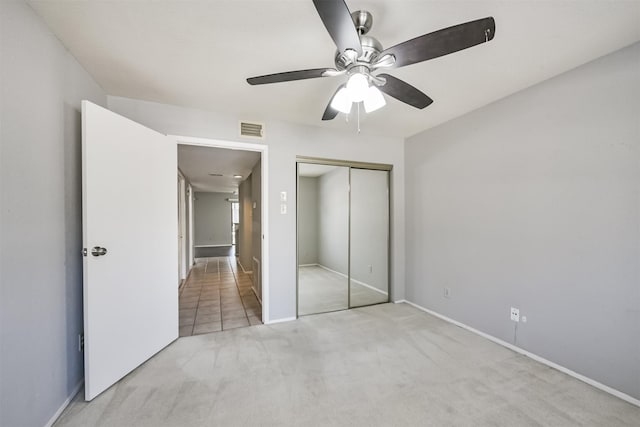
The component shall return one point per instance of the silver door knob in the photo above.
(97, 251)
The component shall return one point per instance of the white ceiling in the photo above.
(196, 163)
(199, 53)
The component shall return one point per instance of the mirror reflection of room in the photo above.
(369, 248)
(342, 238)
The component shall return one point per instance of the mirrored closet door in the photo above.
(343, 235)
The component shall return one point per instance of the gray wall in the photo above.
(533, 202)
(256, 227)
(307, 220)
(212, 219)
(285, 141)
(244, 245)
(189, 244)
(333, 219)
(256, 216)
(41, 86)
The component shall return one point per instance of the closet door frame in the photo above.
(351, 165)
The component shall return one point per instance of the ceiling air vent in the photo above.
(252, 130)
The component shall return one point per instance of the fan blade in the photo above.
(293, 75)
(337, 19)
(442, 42)
(404, 92)
(330, 113)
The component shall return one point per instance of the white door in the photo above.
(129, 211)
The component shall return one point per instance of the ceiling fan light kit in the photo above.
(374, 100)
(359, 55)
(342, 101)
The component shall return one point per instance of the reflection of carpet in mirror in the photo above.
(321, 290)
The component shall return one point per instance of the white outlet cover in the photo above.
(283, 196)
(283, 209)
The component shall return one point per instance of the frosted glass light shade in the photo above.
(341, 101)
(357, 87)
(373, 100)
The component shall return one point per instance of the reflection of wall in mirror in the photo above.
(333, 219)
(370, 228)
(323, 224)
(308, 220)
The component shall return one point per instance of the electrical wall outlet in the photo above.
(515, 314)
(447, 292)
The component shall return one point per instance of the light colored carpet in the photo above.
(384, 365)
(321, 291)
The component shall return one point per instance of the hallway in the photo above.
(217, 296)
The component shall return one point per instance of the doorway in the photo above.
(343, 235)
(219, 292)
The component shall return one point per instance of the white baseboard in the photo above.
(64, 405)
(258, 297)
(353, 280)
(242, 267)
(213, 246)
(533, 356)
(285, 319)
(308, 265)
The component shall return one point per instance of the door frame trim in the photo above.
(264, 226)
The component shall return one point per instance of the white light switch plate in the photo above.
(283, 196)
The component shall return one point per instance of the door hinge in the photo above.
(81, 342)
(84, 251)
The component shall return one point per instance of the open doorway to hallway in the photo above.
(219, 289)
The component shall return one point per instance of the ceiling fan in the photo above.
(359, 56)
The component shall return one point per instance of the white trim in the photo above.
(213, 246)
(257, 296)
(533, 356)
(402, 301)
(308, 265)
(285, 319)
(353, 280)
(264, 151)
(242, 267)
(64, 405)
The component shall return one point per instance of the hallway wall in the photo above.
(245, 243)
(212, 219)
